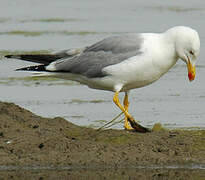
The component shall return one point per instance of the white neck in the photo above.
(169, 56)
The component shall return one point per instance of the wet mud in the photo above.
(30, 142)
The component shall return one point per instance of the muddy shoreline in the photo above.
(28, 140)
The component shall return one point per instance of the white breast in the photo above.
(157, 58)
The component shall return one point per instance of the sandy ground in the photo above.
(28, 141)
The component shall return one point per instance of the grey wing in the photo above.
(118, 44)
(93, 59)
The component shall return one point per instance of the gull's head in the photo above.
(187, 46)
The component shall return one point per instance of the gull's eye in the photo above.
(191, 52)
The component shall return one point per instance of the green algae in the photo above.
(176, 9)
(158, 127)
(3, 20)
(82, 101)
(40, 33)
(36, 81)
(23, 33)
(52, 20)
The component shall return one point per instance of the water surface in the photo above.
(44, 26)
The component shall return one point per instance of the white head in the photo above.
(187, 46)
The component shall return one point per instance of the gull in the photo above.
(121, 63)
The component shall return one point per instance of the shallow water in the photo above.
(43, 26)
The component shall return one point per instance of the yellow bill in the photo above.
(191, 71)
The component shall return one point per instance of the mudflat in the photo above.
(33, 147)
(29, 140)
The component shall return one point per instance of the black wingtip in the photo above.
(13, 56)
(33, 68)
(23, 69)
(38, 58)
(8, 56)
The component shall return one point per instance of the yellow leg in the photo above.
(126, 106)
(123, 109)
(129, 118)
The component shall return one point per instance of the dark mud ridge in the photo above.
(27, 140)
